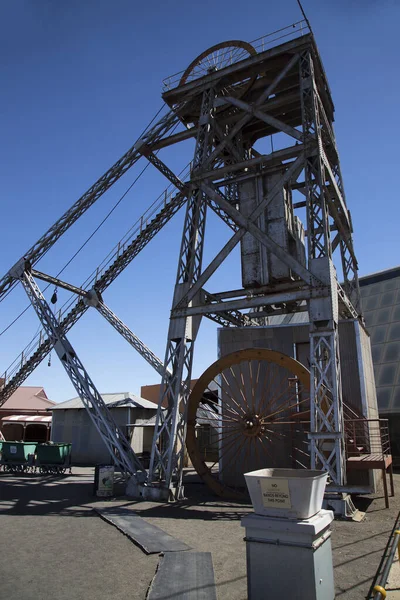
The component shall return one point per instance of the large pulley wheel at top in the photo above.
(249, 410)
(219, 57)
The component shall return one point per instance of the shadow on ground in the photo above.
(46, 495)
(73, 495)
(203, 521)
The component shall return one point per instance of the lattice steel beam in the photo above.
(247, 117)
(101, 284)
(93, 299)
(245, 303)
(58, 282)
(262, 237)
(118, 446)
(162, 127)
(326, 407)
(291, 173)
(167, 455)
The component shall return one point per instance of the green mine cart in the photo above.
(18, 456)
(53, 458)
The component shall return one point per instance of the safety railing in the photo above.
(379, 589)
(260, 44)
(161, 202)
(367, 436)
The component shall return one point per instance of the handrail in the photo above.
(367, 436)
(260, 44)
(366, 420)
(379, 589)
(135, 230)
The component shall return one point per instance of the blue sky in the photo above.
(81, 80)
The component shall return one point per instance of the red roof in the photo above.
(28, 398)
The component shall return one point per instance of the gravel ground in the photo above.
(55, 547)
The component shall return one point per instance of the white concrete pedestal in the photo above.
(289, 559)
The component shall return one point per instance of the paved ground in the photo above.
(54, 546)
(393, 585)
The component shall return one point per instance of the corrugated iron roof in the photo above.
(28, 398)
(116, 400)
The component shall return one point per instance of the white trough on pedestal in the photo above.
(286, 493)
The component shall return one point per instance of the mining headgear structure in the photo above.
(231, 101)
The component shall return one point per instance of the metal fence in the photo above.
(367, 436)
(377, 590)
(260, 44)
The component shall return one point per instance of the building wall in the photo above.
(75, 426)
(380, 295)
(293, 340)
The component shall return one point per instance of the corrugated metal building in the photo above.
(72, 424)
(380, 294)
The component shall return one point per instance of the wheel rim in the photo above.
(219, 57)
(252, 405)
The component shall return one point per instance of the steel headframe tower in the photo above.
(231, 97)
(233, 100)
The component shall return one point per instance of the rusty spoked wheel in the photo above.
(219, 57)
(249, 410)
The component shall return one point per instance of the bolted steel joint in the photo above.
(20, 267)
(92, 298)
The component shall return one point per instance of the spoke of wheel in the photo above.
(283, 405)
(252, 387)
(265, 447)
(302, 451)
(264, 383)
(233, 416)
(257, 378)
(225, 434)
(278, 433)
(221, 420)
(226, 449)
(297, 461)
(284, 408)
(236, 452)
(248, 450)
(224, 392)
(275, 399)
(270, 402)
(233, 462)
(243, 384)
(245, 454)
(220, 454)
(239, 388)
(256, 453)
(232, 394)
(266, 391)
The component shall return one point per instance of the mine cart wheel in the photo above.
(245, 403)
(219, 57)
